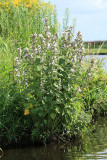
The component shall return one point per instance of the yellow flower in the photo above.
(39, 6)
(16, 2)
(44, 4)
(26, 112)
(30, 106)
(6, 10)
(27, 5)
(85, 89)
(51, 7)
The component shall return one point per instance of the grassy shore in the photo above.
(102, 51)
(96, 47)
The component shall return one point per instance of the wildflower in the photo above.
(48, 34)
(79, 46)
(85, 89)
(33, 47)
(40, 36)
(26, 50)
(74, 59)
(41, 84)
(20, 52)
(69, 36)
(78, 89)
(26, 112)
(48, 45)
(19, 62)
(26, 84)
(6, 10)
(93, 60)
(28, 6)
(35, 50)
(75, 44)
(72, 70)
(34, 35)
(89, 74)
(16, 69)
(64, 35)
(53, 62)
(24, 74)
(18, 74)
(30, 106)
(39, 48)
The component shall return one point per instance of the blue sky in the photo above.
(91, 16)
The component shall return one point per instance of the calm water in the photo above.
(100, 57)
(91, 147)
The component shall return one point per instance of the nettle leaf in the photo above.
(53, 115)
(61, 61)
(57, 110)
(37, 61)
(61, 69)
(40, 114)
(56, 85)
(45, 121)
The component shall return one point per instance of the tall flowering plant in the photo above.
(51, 83)
(54, 92)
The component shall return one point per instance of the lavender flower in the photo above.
(33, 47)
(27, 55)
(20, 52)
(79, 46)
(26, 84)
(18, 65)
(24, 74)
(72, 70)
(78, 89)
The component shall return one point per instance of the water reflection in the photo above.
(91, 147)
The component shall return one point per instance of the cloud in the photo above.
(98, 4)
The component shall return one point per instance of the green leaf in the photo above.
(61, 61)
(37, 61)
(40, 114)
(57, 110)
(53, 115)
(56, 85)
(45, 121)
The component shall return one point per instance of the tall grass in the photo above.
(19, 19)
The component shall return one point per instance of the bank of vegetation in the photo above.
(96, 47)
(47, 92)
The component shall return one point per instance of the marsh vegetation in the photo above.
(47, 92)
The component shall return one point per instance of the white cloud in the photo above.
(98, 4)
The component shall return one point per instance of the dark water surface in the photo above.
(90, 147)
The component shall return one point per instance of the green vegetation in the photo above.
(47, 91)
(96, 47)
(96, 51)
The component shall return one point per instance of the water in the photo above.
(100, 57)
(90, 147)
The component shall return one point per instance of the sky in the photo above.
(90, 15)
